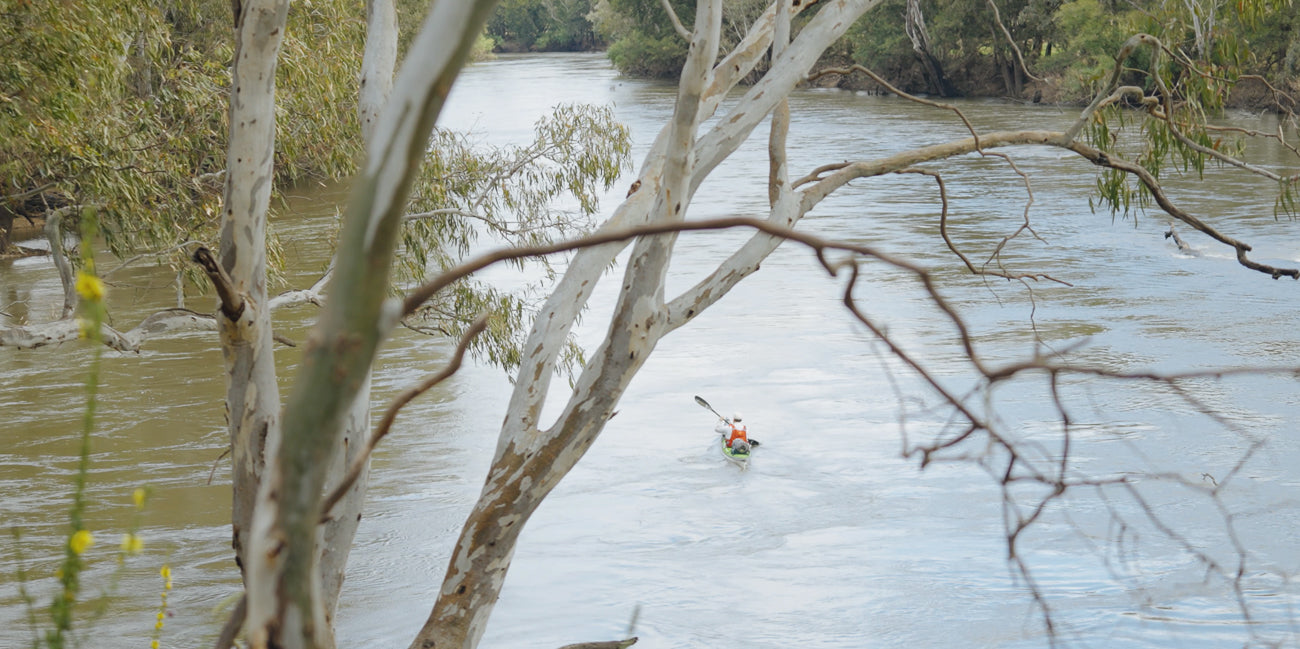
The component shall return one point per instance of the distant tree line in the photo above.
(1020, 48)
(1064, 47)
(120, 107)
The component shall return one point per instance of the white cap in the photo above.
(735, 417)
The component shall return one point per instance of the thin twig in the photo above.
(386, 423)
(890, 87)
(1020, 58)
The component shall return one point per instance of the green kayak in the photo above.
(738, 456)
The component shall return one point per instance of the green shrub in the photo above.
(646, 56)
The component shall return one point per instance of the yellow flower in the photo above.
(81, 541)
(166, 573)
(89, 287)
(139, 496)
(132, 543)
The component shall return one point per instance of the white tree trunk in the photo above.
(530, 461)
(377, 67)
(285, 605)
(252, 395)
(378, 63)
(285, 601)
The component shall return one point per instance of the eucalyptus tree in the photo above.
(114, 109)
(508, 192)
(285, 603)
(131, 139)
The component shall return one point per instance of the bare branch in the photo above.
(386, 422)
(1284, 102)
(314, 295)
(232, 303)
(1020, 58)
(213, 180)
(943, 232)
(890, 87)
(677, 23)
(22, 196)
(498, 226)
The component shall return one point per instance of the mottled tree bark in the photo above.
(252, 395)
(286, 606)
(531, 460)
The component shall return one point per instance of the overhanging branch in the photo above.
(390, 415)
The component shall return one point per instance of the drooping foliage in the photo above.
(525, 195)
(1182, 84)
(122, 106)
(1070, 44)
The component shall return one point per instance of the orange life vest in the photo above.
(737, 432)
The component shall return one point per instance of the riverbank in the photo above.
(24, 230)
(1252, 93)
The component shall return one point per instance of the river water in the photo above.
(832, 538)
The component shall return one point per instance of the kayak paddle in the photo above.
(700, 400)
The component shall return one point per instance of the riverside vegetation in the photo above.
(148, 169)
(1044, 50)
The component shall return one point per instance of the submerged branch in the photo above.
(69, 330)
(54, 235)
(1153, 185)
(611, 644)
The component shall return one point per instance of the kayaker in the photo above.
(736, 434)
